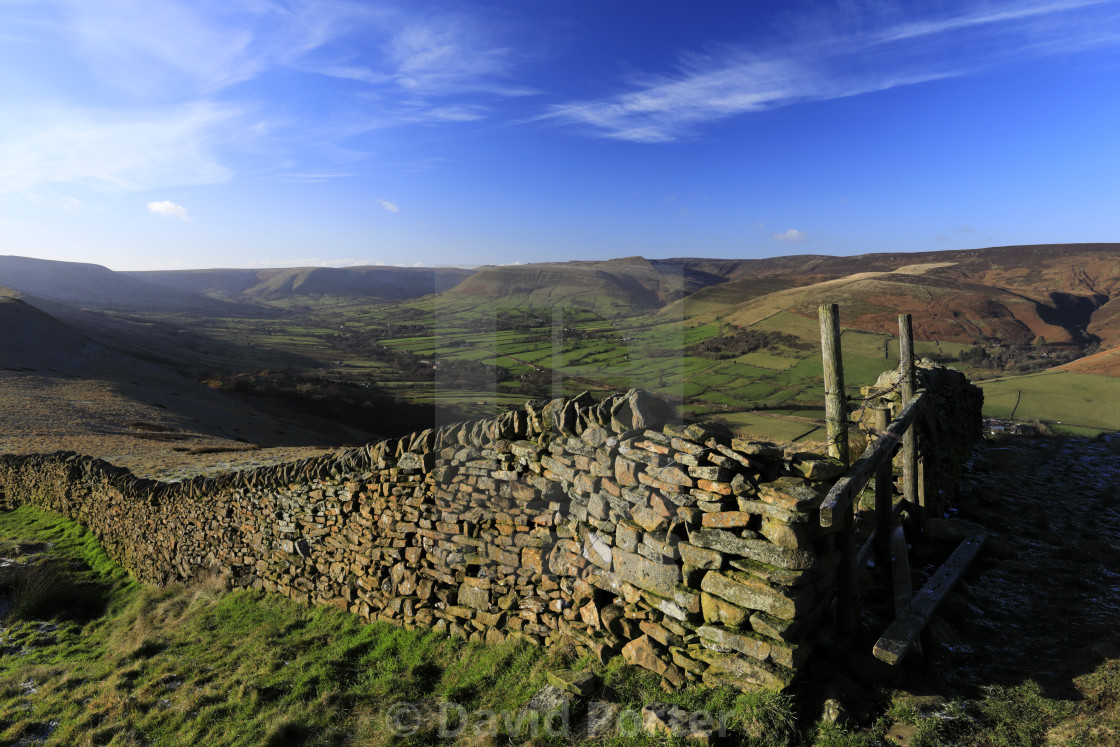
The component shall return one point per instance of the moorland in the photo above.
(195, 372)
(197, 361)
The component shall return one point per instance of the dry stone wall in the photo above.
(603, 524)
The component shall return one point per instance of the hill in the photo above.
(375, 283)
(626, 285)
(60, 388)
(81, 284)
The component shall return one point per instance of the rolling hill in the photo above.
(375, 283)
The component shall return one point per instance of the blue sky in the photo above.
(142, 134)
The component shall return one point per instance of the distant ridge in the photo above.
(373, 282)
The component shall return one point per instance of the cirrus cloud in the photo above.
(390, 206)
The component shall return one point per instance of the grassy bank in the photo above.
(88, 656)
(194, 664)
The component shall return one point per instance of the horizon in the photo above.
(231, 268)
(173, 135)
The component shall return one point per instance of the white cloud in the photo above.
(390, 206)
(136, 150)
(792, 236)
(857, 53)
(168, 209)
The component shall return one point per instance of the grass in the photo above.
(196, 664)
(1081, 404)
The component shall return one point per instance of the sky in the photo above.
(149, 134)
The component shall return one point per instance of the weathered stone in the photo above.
(759, 449)
(659, 578)
(648, 519)
(583, 684)
(793, 494)
(792, 536)
(752, 593)
(816, 467)
(727, 519)
(763, 551)
(719, 610)
(700, 557)
(646, 653)
(747, 674)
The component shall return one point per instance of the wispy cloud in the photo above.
(172, 67)
(841, 60)
(390, 206)
(792, 236)
(142, 149)
(168, 209)
(314, 177)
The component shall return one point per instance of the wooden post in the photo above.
(847, 578)
(835, 406)
(909, 440)
(884, 498)
(836, 417)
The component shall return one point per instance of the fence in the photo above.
(887, 541)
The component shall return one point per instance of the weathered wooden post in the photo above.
(909, 440)
(884, 499)
(836, 419)
(835, 406)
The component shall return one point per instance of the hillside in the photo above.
(374, 283)
(88, 285)
(626, 285)
(62, 389)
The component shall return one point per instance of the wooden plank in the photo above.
(884, 497)
(903, 632)
(835, 404)
(942, 582)
(869, 543)
(850, 485)
(900, 572)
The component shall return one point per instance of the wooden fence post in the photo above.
(884, 500)
(909, 440)
(835, 406)
(836, 417)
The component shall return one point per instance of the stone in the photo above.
(793, 494)
(583, 684)
(726, 519)
(549, 699)
(674, 722)
(660, 578)
(816, 467)
(473, 597)
(601, 720)
(761, 449)
(750, 592)
(718, 610)
(699, 557)
(747, 674)
(792, 536)
(648, 519)
(646, 653)
(763, 551)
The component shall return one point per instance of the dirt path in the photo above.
(1044, 598)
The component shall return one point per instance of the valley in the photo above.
(382, 351)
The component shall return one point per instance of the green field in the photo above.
(417, 351)
(1070, 402)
